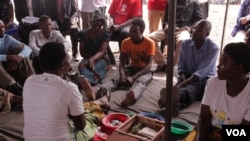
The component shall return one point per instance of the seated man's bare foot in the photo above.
(86, 87)
(129, 100)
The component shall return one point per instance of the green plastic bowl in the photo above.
(180, 127)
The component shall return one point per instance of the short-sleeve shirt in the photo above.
(198, 62)
(226, 110)
(48, 100)
(92, 46)
(123, 10)
(157, 4)
(138, 52)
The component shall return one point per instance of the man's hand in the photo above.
(12, 66)
(14, 59)
(166, 29)
(91, 64)
(13, 62)
(115, 28)
(184, 28)
(248, 17)
(181, 79)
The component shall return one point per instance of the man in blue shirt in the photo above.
(15, 65)
(196, 63)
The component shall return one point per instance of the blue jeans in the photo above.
(101, 68)
(111, 82)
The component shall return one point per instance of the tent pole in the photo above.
(169, 80)
(224, 27)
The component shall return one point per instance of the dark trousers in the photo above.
(192, 92)
(23, 71)
(24, 31)
(67, 29)
(120, 35)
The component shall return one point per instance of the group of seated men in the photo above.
(195, 55)
(193, 75)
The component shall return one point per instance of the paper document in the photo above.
(30, 20)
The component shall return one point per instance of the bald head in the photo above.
(205, 24)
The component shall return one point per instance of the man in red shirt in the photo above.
(156, 12)
(122, 13)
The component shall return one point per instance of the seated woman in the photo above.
(93, 45)
(48, 94)
(226, 99)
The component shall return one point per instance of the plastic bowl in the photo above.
(152, 115)
(180, 127)
(112, 121)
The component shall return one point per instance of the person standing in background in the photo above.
(122, 13)
(7, 16)
(242, 22)
(156, 12)
(87, 9)
(23, 8)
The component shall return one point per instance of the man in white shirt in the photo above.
(38, 37)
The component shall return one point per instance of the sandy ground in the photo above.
(217, 16)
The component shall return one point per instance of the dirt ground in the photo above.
(217, 16)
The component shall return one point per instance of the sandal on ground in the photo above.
(102, 92)
(106, 108)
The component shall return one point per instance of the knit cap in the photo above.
(240, 53)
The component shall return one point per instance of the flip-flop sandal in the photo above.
(108, 94)
(100, 93)
(106, 109)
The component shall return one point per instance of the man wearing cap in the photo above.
(93, 45)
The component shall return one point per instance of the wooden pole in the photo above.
(169, 80)
(224, 27)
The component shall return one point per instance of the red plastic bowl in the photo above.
(112, 121)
